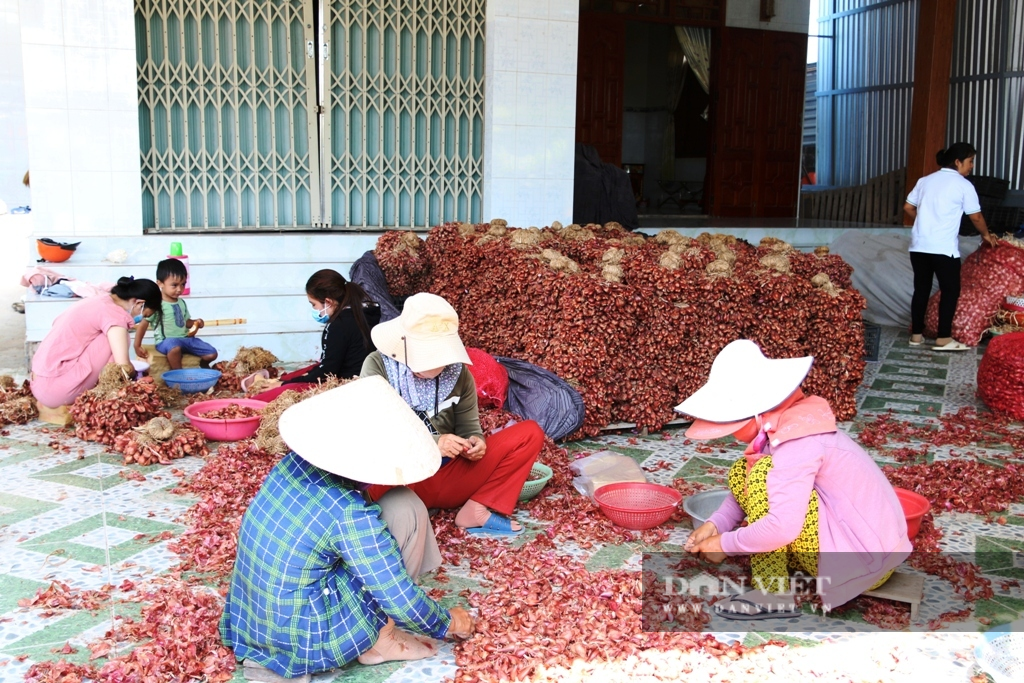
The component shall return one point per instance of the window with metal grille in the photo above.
(255, 115)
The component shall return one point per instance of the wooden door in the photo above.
(757, 90)
(600, 84)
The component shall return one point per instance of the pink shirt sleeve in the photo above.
(795, 464)
(728, 515)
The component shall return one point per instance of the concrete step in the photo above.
(259, 277)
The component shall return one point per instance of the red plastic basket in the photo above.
(637, 505)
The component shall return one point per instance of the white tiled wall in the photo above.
(13, 129)
(82, 116)
(530, 110)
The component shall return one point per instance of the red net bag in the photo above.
(491, 378)
(986, 278)
(1001, 375)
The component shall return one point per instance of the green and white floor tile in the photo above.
(72, 517)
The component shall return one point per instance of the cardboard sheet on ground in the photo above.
(882, 272)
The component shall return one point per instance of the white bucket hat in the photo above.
(743, 383)
(425, 337)
(384, 442)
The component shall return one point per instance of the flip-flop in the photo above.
(496, 525)
(742, 610)
(916, 344)
(952, 346)
(247, 382)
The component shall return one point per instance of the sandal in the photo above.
(952, 346)
(496, 525)
(915, 344)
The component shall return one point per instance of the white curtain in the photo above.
(696, 44)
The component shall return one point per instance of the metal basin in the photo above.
(702, 505)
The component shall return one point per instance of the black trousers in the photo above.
(947, 270)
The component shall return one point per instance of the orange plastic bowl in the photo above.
(53, 254)
(915, 507)
(637, 505)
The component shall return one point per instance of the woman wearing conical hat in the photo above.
(322, 575)
(814, 500)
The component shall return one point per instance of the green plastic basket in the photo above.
(532, 488)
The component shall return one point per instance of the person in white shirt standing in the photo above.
(936, 204)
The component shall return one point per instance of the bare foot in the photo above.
(473, 514)
(394, 644)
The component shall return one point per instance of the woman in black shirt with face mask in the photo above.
(347, 315)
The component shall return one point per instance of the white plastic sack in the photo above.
(882, 272)
(604, 467)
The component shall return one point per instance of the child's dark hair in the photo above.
(170, 267)
(142, 289)
(329, 284)
(958, 151)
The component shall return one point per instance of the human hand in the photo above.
(704, 531)
(452, 445)
(462, 625)
(142, 353)
(710, 549)
(991, 239)
(476, 450)
(199, 321)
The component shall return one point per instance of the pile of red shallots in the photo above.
(103, 416)
(160, 441)
(633, 322)
(225, 486)
(17, 405)
(175, 638)
(232, 411)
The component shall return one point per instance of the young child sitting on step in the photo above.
(173, 329)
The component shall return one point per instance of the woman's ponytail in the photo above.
(141, 289)
(959, 151)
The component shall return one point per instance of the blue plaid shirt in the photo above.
(317, 575)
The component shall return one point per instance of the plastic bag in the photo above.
(604, 467)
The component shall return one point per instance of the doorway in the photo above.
(643, 104)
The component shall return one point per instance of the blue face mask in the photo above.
(321, 316)
(137, 319)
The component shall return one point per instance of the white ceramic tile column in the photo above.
(13, 128)
(530, 110)
(81, 107)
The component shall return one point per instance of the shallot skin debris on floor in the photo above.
(90, 545)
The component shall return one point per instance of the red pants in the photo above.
(270, 394)
(494, 480)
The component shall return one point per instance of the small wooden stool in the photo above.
(158, 364)
(902, 588)
(60, 416)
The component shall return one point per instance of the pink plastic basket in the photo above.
(225, 430)
(637, 505)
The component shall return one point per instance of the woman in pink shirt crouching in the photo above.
(814, 500)
(85, 338)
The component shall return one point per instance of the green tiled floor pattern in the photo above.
(63, 516)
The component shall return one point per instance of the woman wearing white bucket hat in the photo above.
(813, 498)
(423, 358)
(322, 576)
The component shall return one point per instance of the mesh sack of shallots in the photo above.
(987, 277)
(491, 378)
(1001, 375)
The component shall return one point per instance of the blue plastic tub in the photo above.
(191, 380)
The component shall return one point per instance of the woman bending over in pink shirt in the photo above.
(85, 338)
(814, 500)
